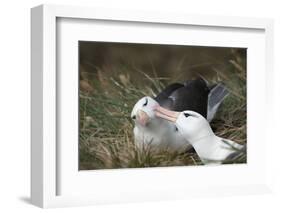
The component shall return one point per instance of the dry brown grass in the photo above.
(106, 130)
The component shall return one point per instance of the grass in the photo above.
(106, 129)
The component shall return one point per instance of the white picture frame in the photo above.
(45, 168)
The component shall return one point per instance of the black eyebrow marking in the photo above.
(146, 102)
(192, 115)
(186, 114)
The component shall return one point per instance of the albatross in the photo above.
(195, 129)
(196, 95)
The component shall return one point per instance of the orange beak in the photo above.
(166, 114)
(142, 117)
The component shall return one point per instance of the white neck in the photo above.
(155, 130)
(213, 150)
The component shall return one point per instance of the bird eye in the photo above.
(186, 114)
(146, 102)
(192, 115)
(133, 117)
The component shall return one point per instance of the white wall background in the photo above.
(15, 99)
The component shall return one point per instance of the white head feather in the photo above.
(154, 131)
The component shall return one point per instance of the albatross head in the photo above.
(143, 111)
(193, 126)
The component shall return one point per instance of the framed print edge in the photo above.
(36, 106)
(44, 168)
(43, 106)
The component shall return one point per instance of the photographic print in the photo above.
(158, 105)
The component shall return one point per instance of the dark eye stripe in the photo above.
(146, 102)
(186, 114)
(134, 117)
(192, 115)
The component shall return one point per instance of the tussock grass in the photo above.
(106, 129)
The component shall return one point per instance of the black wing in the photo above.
(216, 96)
(193, 95)
(163, 96)
(239, 156)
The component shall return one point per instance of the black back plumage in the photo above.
(192, 95)
(163, 96)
